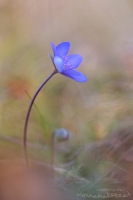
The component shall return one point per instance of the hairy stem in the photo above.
(28, 114)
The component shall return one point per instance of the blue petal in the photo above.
(58, 63)
(72, 72)
(53, 48)
(75, 60)
(51, 58)
(63, 48)
(75, 75)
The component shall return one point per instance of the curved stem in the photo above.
(28, 114)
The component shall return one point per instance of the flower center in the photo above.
(67, 64)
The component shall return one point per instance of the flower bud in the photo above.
(62, 134)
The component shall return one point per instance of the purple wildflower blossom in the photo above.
(65, 64)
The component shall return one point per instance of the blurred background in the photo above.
(95, 112)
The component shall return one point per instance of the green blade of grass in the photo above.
(41, 119)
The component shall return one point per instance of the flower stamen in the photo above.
(67, 65)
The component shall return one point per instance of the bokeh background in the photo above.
(99, 30)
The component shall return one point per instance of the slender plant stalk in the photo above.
(52, 153)
(28, 114)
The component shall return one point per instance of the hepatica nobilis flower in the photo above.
(65, 64)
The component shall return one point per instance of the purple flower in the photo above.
(65, 64)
